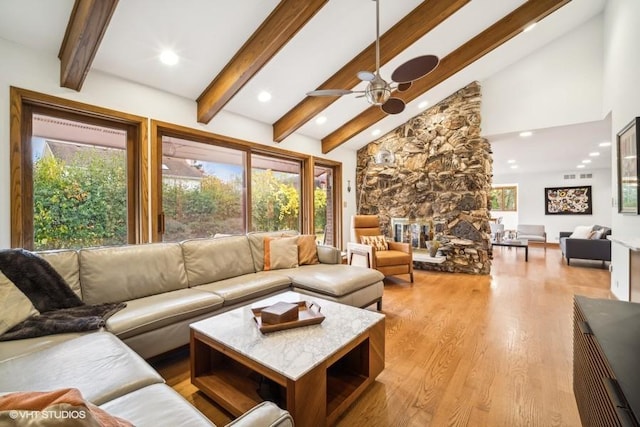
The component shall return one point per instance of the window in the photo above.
(504, 198)
(205, 184)
(325, 211)
(203, 189)
(276, 197)
(77, 180)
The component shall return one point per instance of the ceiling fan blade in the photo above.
(404, 86)
(366, 76)
(415, 68)
(329, 92)
(393, 106)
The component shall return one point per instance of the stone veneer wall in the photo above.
(441, 172)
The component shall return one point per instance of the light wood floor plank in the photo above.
(467, 350)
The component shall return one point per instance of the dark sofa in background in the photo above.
(589, 249)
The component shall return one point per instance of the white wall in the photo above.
(559, 84)
(531, 200)
(622, 98)
(28, 69)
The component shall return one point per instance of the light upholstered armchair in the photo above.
(533, 233)
(369, 245)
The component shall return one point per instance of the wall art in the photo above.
(568, 200)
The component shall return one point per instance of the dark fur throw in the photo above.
(61, 310)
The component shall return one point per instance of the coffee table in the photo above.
(520, 243)
(319, 370)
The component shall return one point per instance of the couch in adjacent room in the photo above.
(586, 242)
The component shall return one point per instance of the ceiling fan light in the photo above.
(377, 92)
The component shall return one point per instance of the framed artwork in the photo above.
(628, 145)
(568, 200)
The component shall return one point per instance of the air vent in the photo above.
(586, 175)
(570, 176)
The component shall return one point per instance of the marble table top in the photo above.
(291, 352)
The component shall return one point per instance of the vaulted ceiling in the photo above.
(229, 51)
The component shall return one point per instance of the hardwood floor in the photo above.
(466, 350)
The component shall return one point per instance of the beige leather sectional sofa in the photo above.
(166, 287)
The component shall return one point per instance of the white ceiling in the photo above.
(559, 149)
(207, 33)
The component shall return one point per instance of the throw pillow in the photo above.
(307, 250)
(16, 306)
(581, 232)
(280, 252)
(596, 234)
(378, 242)
(56, 408)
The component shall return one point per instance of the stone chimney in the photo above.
(439, 171)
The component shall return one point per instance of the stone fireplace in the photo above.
(435, 169)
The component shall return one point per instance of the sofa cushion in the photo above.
(280, 252)
(392, 257)
(307, 250)
(66, 263)
(98, 364)
(17, 348)
(208, 260)
(16, 307)
(155, 311)
(256, 242)
(156, 405)
(123, 273)
(248, 286)
(333, 279)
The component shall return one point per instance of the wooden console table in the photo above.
(606, 378)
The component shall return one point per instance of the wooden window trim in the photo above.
(22, 103)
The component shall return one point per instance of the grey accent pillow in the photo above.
(16, 307)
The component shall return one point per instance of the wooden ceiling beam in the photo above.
(87, 24)
(494, 36)
(426, 16)
(279, 27)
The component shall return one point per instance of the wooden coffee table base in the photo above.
(317, 398)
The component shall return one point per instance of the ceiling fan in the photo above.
(378, 91)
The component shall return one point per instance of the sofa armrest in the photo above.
(265, 414)
(329, 254)
(359, 249)
(565, 234)
(402, 247)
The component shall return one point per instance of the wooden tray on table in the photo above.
(308, 314)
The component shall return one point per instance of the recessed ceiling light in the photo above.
(580, 166)
(529, 27)
(423, 104)
(264, 96)
(526, 134)
(376, 132)
(586, 161)
(511, 161)
(321, 120)
(605, 144)
(169, 57)
(514, 166)
(594, 154)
